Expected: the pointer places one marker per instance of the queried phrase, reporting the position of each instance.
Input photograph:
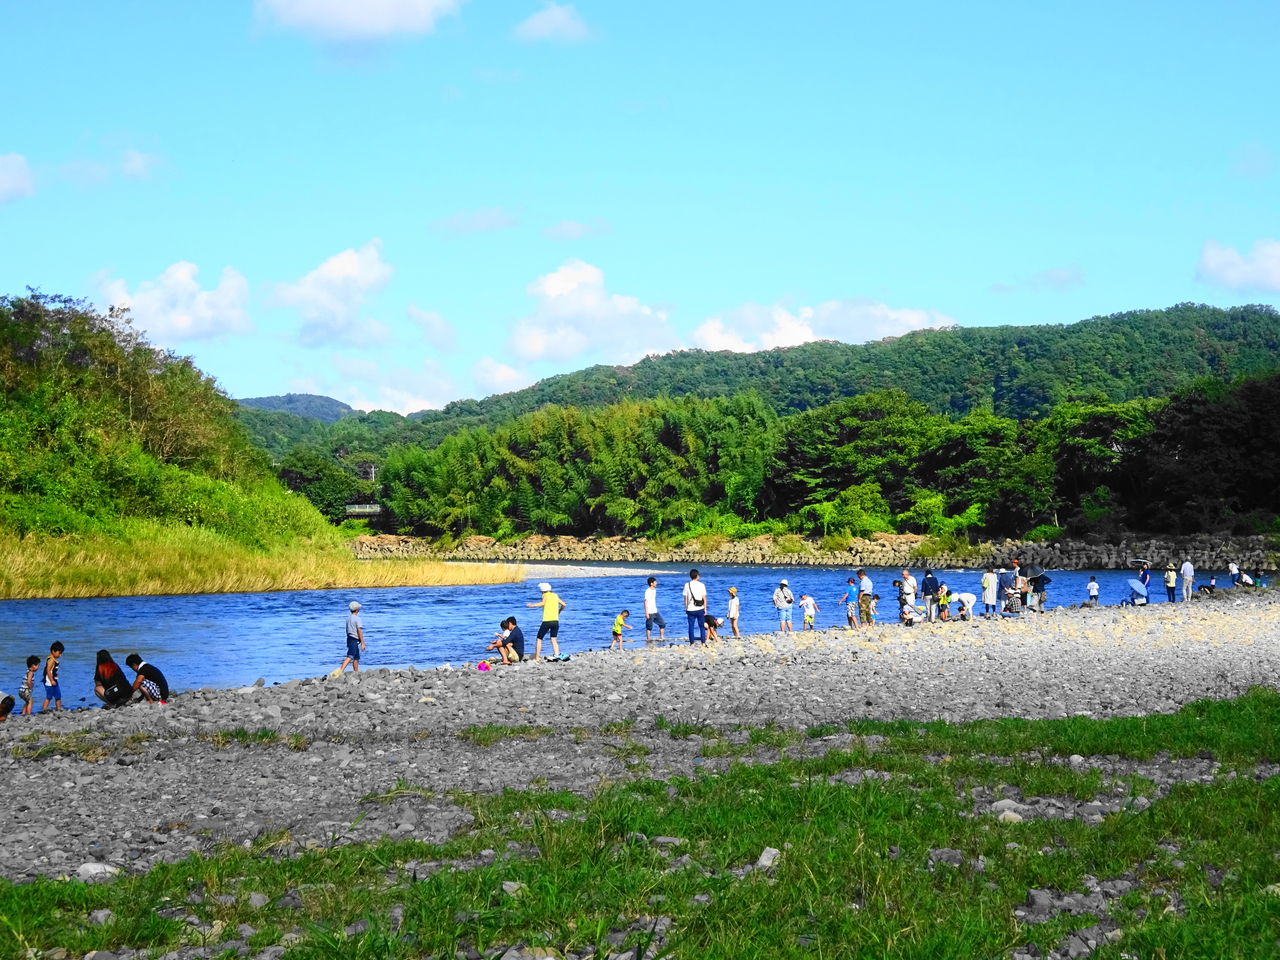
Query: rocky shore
(98, 791)
(884, 550)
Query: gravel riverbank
(131, 787)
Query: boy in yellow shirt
(619, 622)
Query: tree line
(1202, 459)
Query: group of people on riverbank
(1002, 592)
(109, 682)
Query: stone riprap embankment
(885, 550)
(127, 788)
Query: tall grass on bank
(149, 558)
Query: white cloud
(575, 314)
(575, 230)
(370, 385)
(173, 307)
(486, 220)
(1053, 279)
(438, 331)
(755, 326)
(1228, 267)
(358, 20)
(493, 376)
(330, 298)
(555, 21)
(138, 165)
(15, 177)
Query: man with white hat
(551, 606)
(355, 639)
(783, 601)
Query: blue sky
(403, 202)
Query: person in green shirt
(619, 622)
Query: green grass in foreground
(854, 878)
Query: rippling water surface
(230, 640)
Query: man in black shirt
(149, 680)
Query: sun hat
(783, 583)
(1002, 570)
(733, 591)
(544, 587)
(1170, 567)
(354, 606)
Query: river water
(230, 640)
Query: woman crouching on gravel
(109, 682)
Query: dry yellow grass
(152, 560)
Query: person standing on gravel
(990, 595)
(1233, 570)
(783, 600)
(929, 590)
(851, 606)
(909, 589)
(866, 594)
(355, 639)
(551, 606)
(1170, 582)
(732, 613)
(652, 618)
(1188, 573)
(695, 606)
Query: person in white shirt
(1233, 569)
(695, 606)
(1188, 573)
(1093, 589)
(732, 613)
(652, 618)
(909, 589)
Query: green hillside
(308, 405)
(1017, 372)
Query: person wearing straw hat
(732, 614)
(1171, 582)
(551, 605)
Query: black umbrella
(1032, 571)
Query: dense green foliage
(1088, 382)
(308, 405)
(876, 462)
(97, 425)
(1017, 372)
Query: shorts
(25, 694)
(353, 649)
(549, 627)
(53, 692)
(151, 690)
(654, 619)
(808, 620)
(864, 605)
(617, 636)
(784, 614)
(851, 610)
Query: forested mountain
(1017, 372)
(98, 427)
(1203, 460)
(309, 405)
